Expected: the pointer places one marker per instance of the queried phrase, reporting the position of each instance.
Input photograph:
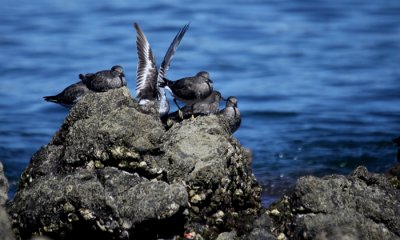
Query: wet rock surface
(362, 205)
(112, 171)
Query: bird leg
(179, 109)
(176, 103)
(192, 110)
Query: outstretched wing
(146, 81)
(170, 53)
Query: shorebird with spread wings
(148, 89)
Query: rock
(5, 224)
(262, 229)
(360, 206)
(40, 238)
(6, 232)
(3, 186)
(203, 154)
(112, 171)
(227, 236)
(394, 171)
(108, 199)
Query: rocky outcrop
(360, 206)
(112, 171)
(5, 224)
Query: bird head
(205, 75)
(118, 70)
(218, 96)
(231, 102)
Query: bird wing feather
(170, 53)
(146, 81)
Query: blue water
(317, 81)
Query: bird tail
(85, 78)
(51, 99)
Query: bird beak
(224, 98)
(122, 74)
(210, 80)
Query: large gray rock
(3, 186)
(6, 232)
(112, 171)
(223, 192)
(361, 206)
(5, 224)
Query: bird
(70, 95)
(105, 80)
(148, 87)
(207, 106)
(231, 113)
(190, 89)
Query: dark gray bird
(148, 87)
(70, 95)
(231, 113)
(190, 89)
(207, 106)
(105, 80)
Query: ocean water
(317, 81)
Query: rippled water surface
(317, 81)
